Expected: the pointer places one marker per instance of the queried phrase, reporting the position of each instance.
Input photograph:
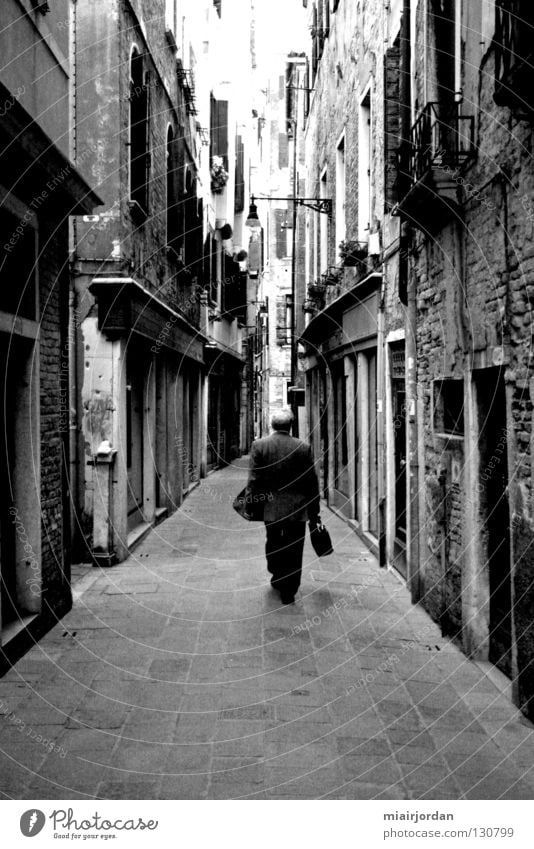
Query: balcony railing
(514, 54)
(186, 79)
(440, 138)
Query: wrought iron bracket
(317, 204)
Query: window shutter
(315, 43)
(281, 234)
(320, 28)
(281, 321)
(392, 122)
(255, 254)
(283, 150)
(219, 129)
(307, 89)
(239, 204)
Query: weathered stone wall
(353, 60)
(473, 282)
(53, 295)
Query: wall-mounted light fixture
(262, 306)
(323, 205)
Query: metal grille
(398, 363)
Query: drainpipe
(293, 329)
(72, 418)
(380, 421)
(414, 581)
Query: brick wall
(473, 283)
(353, 57)
(53, 291)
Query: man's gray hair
(282, 419)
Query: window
(284, 312)
(323, 227)
(172, 207)
(320, 28)
(282, 233)
(514, 31)
(219, 130)
(239, 203)
(364, 168)
(315, 43)
(170, 15)
(443, 41)
(307, 88)
(392, 126)
(340, 193)
(210, 267)
(255, 253)
(139, 148)
(289, 318)
(449, 407)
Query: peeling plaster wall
(474, 296)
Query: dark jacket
(282, 471)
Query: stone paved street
(178, 675)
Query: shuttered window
(139, 133)
(283, 150)
(392, 125)
(219, 130)
(281, 233)
(239, 175)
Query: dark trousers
(284, 547)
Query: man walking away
(282, 471)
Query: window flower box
(316, 290)
(332, 276)
(352, 252)
(219, 175)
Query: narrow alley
(179, 675)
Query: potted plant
(316, 290)
(332, 276)
(310, 306)
(352, 252)
(218, 174)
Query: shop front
(342, 404)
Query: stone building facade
(354, 338)
(418, 131)
(138, 346)
(40, 188)
(464, 194)
(272, 187)
(159, 291)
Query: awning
(329, 322)
(125, 307)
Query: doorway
(342, 494)
(494, 512)
(134, 438)
(398, 409)
(8, 576)
(372, 446)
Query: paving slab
(179, 675)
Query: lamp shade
(253, 221)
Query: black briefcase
(320, 539)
